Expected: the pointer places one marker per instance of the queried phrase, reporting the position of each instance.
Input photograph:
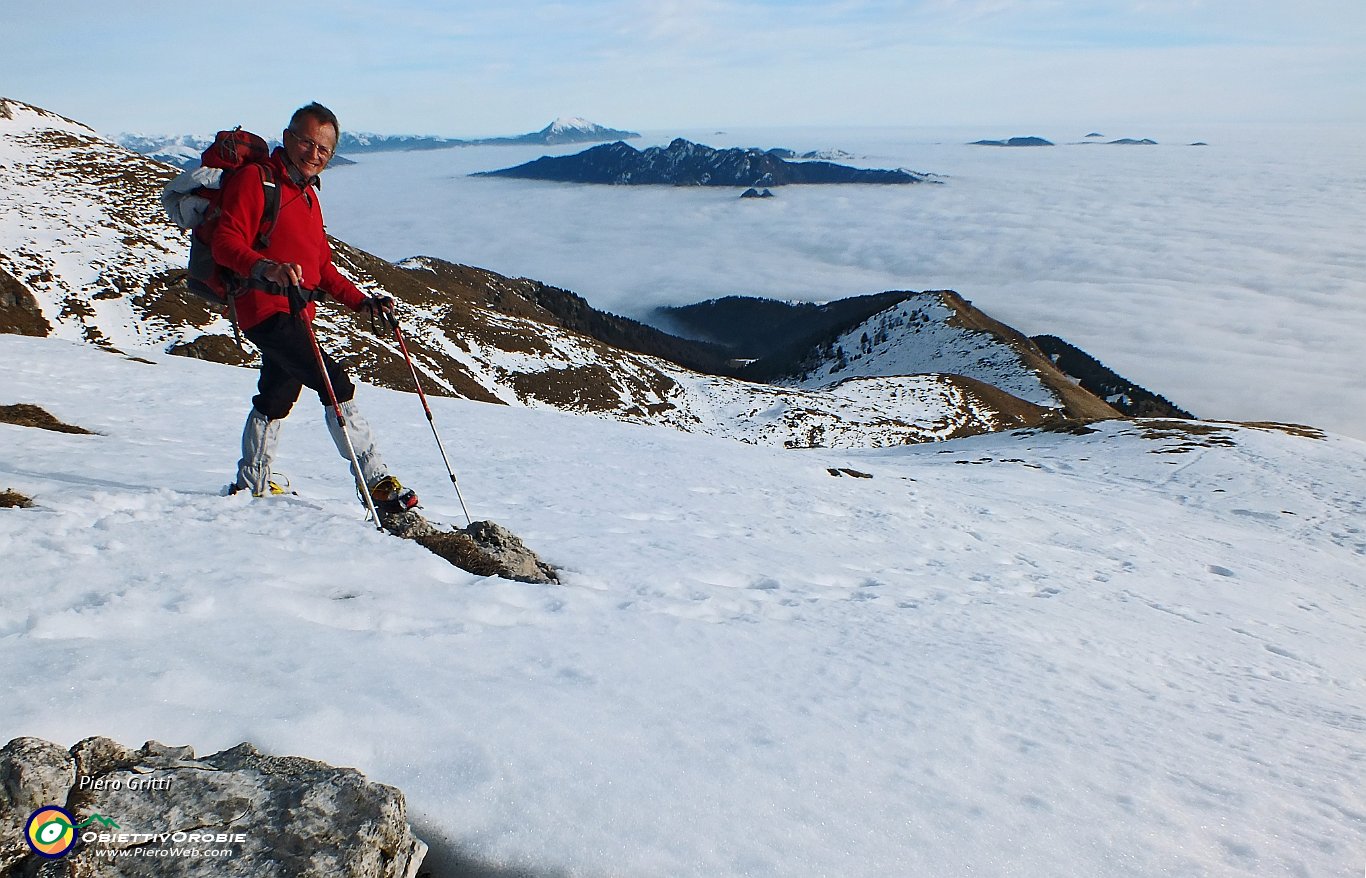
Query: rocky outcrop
(484, 548)
(19, 310)
(684, 163)
(161, 811)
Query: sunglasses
(323, 152)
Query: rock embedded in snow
(161, 811)
(485, 548)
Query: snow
(1134, 652)
(572, 123)
(916, 337)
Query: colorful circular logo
(51, 832)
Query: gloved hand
(378, 306)
(282, 274)
(299, 298)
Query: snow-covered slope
(941, 332)
(83, 237)
(81, 229)
(919, 336)
(1133, 651)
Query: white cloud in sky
(466, 68)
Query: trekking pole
(341, 421)
(232, 318)
(398, 334)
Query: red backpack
(192, 200)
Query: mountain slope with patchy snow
(84, 242)
(941, 332)
(1128, 651)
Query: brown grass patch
(1187, 436)
(26, 415)
(166, 297)
(1302, 430)
(215, 349)
(12, 499)
(1167, 429)
(581, 388)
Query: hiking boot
(390, 496)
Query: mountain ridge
(183, 150)
(684, 163)
(115, 279)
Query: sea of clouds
(1228, 277)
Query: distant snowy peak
(576, 129)
(147, 143)
(563, 130)
(179, 150)
(184, 150)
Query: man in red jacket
(297, 258)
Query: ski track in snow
(1132, 652)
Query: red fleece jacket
(298, 237)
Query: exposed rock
(510, 552)
(20, 312)
(160, 811)
(33, 773)
(755, 193)
(485, 548)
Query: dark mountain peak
(1014, 141)
(684, 163)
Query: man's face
(310, 145)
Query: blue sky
(419, 66)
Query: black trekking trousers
(288, 365)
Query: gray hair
(318, 113)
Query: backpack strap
(271, 211)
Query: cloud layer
(1228, 277)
